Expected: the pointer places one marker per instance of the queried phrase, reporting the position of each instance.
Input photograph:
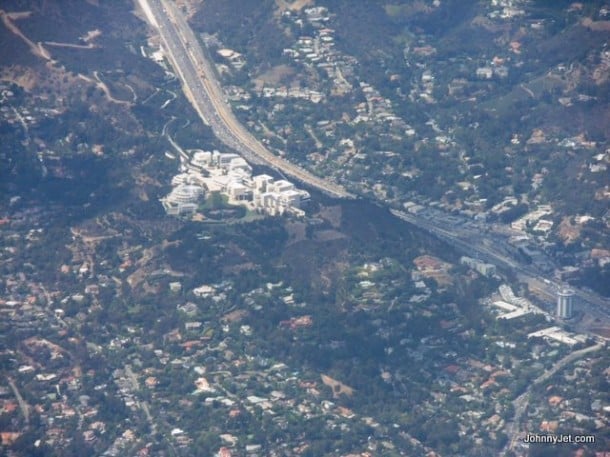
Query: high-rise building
(565, 303)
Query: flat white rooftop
(514, 314)
(558, 334)
(505, 306)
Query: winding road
(513, 428)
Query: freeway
(475, 245)
(484, 252)
(203, 90)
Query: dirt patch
(316, 265)
(37, 49)
(297, 5)
(70, 45)
(104, 88)
(236, 269)
(296, 231)
(15, 16)
(275, 76)
(434, 268)
(337, 387)
(91, 35)
(189, 6)
(488, 24)
(331, 214)
(142, 179)
(537, 137)
(406, 11)
(568, 232)
(601, 331)
(596, 26)
(234, 316)
(328, 235)
(23, 77)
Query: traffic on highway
(204, 92)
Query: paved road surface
(23, 406)
(513, 428)
(599, 306)
(201, 88)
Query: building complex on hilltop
(230, 175)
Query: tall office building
(565, 303)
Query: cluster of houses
(290, 92)
(377, 109)
(319, 50)
(236, 59)
(483, 268)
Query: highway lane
(597, 305)
(206, 95)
